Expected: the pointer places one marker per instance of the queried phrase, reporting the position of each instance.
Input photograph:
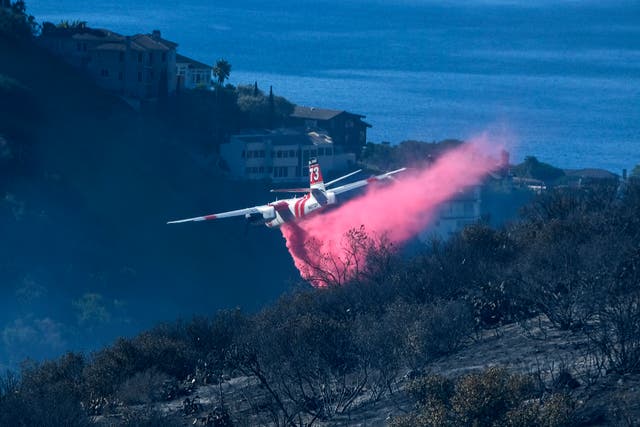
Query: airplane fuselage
(289, 210)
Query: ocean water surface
(561, 79)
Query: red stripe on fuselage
(297, 208)
(210, 217)
(304, 201)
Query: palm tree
(221, 70)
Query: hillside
(534, 323)
(86, 187)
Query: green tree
(15, 21)
(222, 70)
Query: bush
(438, 329)
(143, 387)
(48, 394)
(482, 398)
(493, 397)
(148, 417)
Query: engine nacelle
(266, 214)
(331, 197)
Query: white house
(282, 155)
(455, 214)
(191, 73)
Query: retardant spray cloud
(397, 210)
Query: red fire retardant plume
(397, 210)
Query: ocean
(560, 80)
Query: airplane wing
(342, 177)
(363, 182)
(290, 190)
(238, 212)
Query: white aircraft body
(317, 196)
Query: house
(582, 177)
(142, 66)
(191, 73)
(282, 155)
(455, 214)
(348, 130)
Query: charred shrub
(438, 329)
(143, 387)
(48, 394)
(114, 365)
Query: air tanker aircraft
(316, 197)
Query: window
(281, 172)
(328, 151)
(261, 153)
(243, 154)
(320, 151)
(104, 72)
(285, 154)
(468, 208)
(164, 56)
(292, 153)
(139, 57)
(279, 154)
(150, 57)
(249, 154)
(121, 57)
(261, 169)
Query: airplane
(316, 197)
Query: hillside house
(455, 214)
(142, 66)
(347, 130)
(191, 73)
(282, 155)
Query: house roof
(315, 113)
(119, 47)
(151, 43)
(286, 136)
(591, 173)
(94, 34)
(165, 42)
(192, 62)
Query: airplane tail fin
(315, 176)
